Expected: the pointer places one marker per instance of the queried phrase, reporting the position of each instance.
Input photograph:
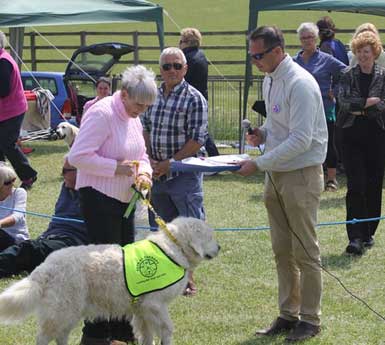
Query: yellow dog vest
(147, 268)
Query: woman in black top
(362, 121)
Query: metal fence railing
(225, 108)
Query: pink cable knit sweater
(108, 135)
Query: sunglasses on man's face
(260, 56)
(8, 183)
(167, 66)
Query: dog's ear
(196, 245)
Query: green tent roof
(16, 13)
(376, 7)
(24, 13)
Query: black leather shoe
(355, 247)
(303, 330)
(280, 325)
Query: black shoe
(27, 184)
(303, 330)
(280, 325)
(355, 247)
(368, 243)
(94, 341)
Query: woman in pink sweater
(110, 138)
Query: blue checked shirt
(172, 121)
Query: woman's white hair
(6, 173)
(308, 27)
(3, 40)
(139, 82)
(171, 51)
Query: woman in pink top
(103, 89)
(110, 138)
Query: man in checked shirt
(175, 127)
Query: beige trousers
(295, 202)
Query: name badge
(276, 108)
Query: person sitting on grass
(13, 227)
(28, 254)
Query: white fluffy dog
(88, 282)
(67, 132)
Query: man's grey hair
(6, 173)
(308, 27)
(139, 82)
(3, 40)
(171, 51)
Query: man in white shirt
(295, 138)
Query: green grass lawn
(238, 290)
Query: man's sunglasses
(259, 56)
(8, 183)
(168, 66)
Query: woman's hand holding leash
(125, 167)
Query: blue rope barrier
(43, 215)
(261, 228)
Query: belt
(358, 113)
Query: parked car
(76, 85)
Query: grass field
(237, 290)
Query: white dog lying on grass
(88, 282)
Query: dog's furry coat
(87, 282)
(67, 132)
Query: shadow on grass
(258, 340)
(343, 261)
(229, 177)
(333, 202)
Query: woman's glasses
(8, 183)
(177, 66)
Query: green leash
(134, 199)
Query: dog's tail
(19, 300)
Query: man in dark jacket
(197, 72)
